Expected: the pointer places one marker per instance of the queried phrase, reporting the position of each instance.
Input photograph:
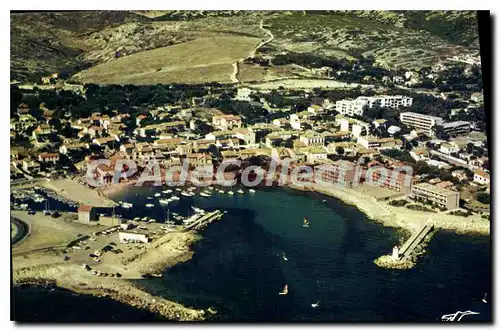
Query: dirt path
(236, 65)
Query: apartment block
(420, 121)
(456, 128)
(443, 197)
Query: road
(236, 65)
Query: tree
(483, 198)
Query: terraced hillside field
(201, 60)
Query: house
(127, 148)
(392, 130)
(86, 214)
(481, 177)
(379, 143)
(41, 130)
(105, 141)
(196, 159)
(48, 158)
(243, 94)
(95, 130)
(419, 154)
(226, 122)
(460, 174)
(314, 153)
(245, 134)
(312, 138)
(66, 148)
(379, 123)
(449, 148)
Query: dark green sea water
(238, 266)
(239, 270)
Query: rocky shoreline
(72, 277)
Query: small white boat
(314, 305)
(230, 192)
(136, 219)
(167, 191)
(251, 190)
(186, 194)
(284, 291)
(175, 198)
(240, 191)
(178, 189)
(127, 205)
(198, 210)
(206, 195)
(484, 298)
(306, 223)
(152, 220)
(284, 257)
(221, 191)
(144, 219)
(164, 201)
(150, 198)
(324, 201)
(149, 205)
(157, 194)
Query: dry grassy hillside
(201, 60)
(146, 47)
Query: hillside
(100, 42)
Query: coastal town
(408, 148)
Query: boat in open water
(284, 291)
(306, 223)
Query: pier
(204, 220)
(415, 240)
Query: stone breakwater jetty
(406, 256)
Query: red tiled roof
(85, 208)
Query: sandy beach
(72, 190)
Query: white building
(127, 237)
(243, 94)
(295, 122)
(312, 138)
(356, 130)
(481, 177)
(357, 106)
(420, 121)
(350, 107)
(226, 122)
(449, 148)
(387, 101)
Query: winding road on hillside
(236, 65)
